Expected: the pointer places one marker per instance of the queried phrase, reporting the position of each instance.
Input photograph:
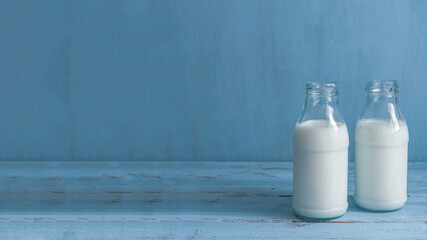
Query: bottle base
(317, 219)
(372, 206)
(319, 214)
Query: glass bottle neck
(321, 104)
(382, 105)
(381, 98)
(320, 94)
(321, 107)
(318, 99)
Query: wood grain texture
(195, 80)
(187, 200)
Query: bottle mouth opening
(321, 88)
(382, 86)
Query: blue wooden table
(183, 200)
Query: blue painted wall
(195, 80)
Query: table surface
(183, 200)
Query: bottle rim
(382, 86)
(321, 88)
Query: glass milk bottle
(381, 150)
(320, 155)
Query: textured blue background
(195, 80)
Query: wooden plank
(186, 200)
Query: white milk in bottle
(381, 153)
(320, 156)
(381, 150)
